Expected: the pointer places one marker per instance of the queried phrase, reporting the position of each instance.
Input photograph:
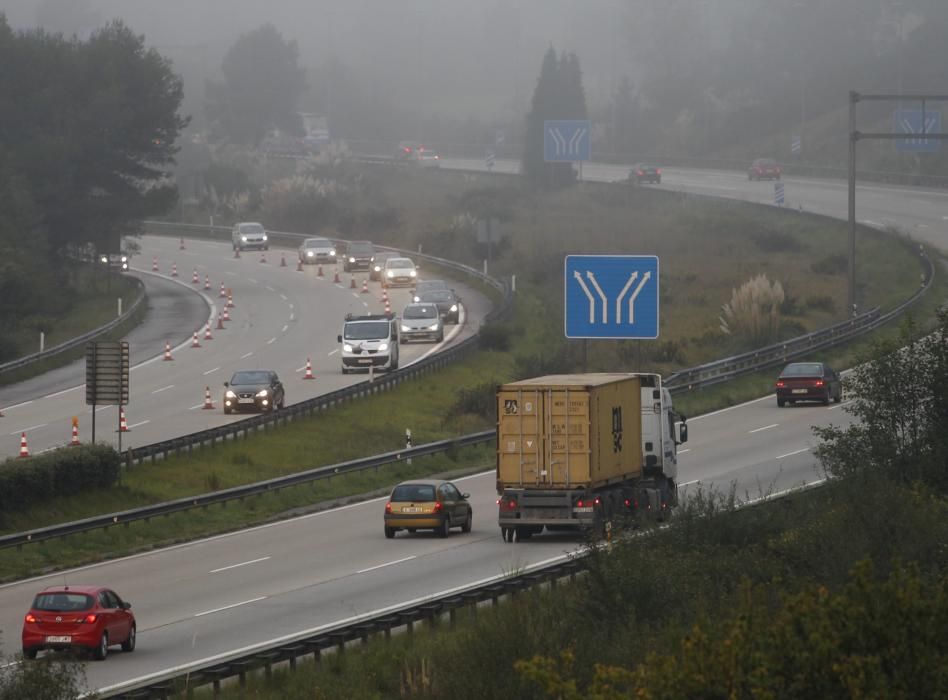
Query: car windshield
(399, 263)
(421, 311)
(62, 602)
(367, 330)
(250, 377)
(414, 492)
(437, 295)
(251, 228)
(803, 369)
(317, 243)
(360, 249)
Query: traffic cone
(299, 265)
(174, 269)
(388, 307)
(123, 424)
(319, 270)
(194, 277)
(230, 301)
(236, 252)
(223, 294)
(208, 404)
(24, 449)
(282, 259)
(181, 247)
(167, 352)
(352, 282)
(220, 322)
(309, 370)
(75, 435)
(385, 294)
(195, 343)
(154, 264)
(207, 332)
(335, 277)
(207, 282)
(226, 315)
(263, 257)
(365, 286)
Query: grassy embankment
(457, 400)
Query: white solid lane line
(26, 430)
(17, 405)
(382, 566)
(234, 566)
(790, 454)
(64, 391)
(135, 425)
(228, 607)
(766, 427)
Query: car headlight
(103, 259)
(229, 394)
(454, 307)
(351, 259)
(433, 327)
(377, 268)
(263, 393)
(332, 253)
(383, 347)
(405, 329)
(310, 253)
(416, 299)
(390, 273)
(346, 347)
(413, 273)
(243, 239)
(264, 236)
(124, 267)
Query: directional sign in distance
(566, 140)
(917, 121)
(611, 296)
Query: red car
(764, 168)
(78, 617)
(808, 381)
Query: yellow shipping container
(569, 431)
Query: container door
(568, 437)
(519, 436)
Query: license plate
(411, 510)
(798, 391)
(365, 362)
(584, 509)
(59, 640)
(244, 400)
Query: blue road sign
(489, 159)
(796, 144)
(567, 140)
(611, 296)
(778, 194)
(915, 121)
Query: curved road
(280, 317)
(203, 599)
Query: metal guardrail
(430, 610)
(79, 340)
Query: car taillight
(437, 507)
(509, 505)
(90, 618)
(658, 171)
(818, 382)
(780, 384)
(388, 507)
(30, 617)
(585, 504)
(640, 172)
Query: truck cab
(369, 342)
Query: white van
(369, 341)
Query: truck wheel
(390, 532)
(507, 534)
(523, 533)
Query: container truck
(578, 451)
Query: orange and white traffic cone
(195, 343)
(207, 281)
(282, 259)
(208, 404)
(230, 301)
(384, 293)
(24, 448)
(236, 252)
(299, 265)
(207, 332)
(174, 269)
(319, 270)
(365, 286)
(388, 307)
(75, 434)
(352, 282)
(181, 247)
(154, 264)
(220, 323)
(263, 257)
(335, 277)
(123, 424)
(194, 277)
(223, 293)
(226, 315)
(309, 370)
(167, 352)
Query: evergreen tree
(559, 95)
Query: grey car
(254, 390)
(422, 286)
(421, 322)
(449, 305)
(249, 234)
(375, 273)
(317, 251)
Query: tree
(899, 397)
(559, 95)
(261, 88)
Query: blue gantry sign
(567, 140)
(611, 296)
(918, 123)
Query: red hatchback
(84, 617)
(764, 168)
(808, 381)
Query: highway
(201, 599)
(280, 317)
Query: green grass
(426, 406)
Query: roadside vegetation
(838, 592)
